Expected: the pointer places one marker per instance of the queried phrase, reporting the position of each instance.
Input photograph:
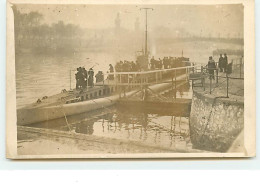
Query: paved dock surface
(38, 141)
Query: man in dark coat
(79, 78)
(225, 62)
(211, 67)
(85, 77)
(220, 63)
(111, 70)
(91, 77)
(99, 77)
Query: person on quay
(220, 63)
(225, 62)
(211, 67)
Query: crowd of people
(166, 62)
(127, 66)
(222, 65)
(85, 78)
(223, 62)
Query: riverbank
(217, 118)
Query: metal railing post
(175, 88)
(210, 83)
(204, 83)
(240, 70)
(227, 84)
(115, 79)
(172, 86)
(186, 73)
(216, 75)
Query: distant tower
(137, 24)
(117, 23)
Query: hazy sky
(195, 19)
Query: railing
(223, 83)
(226, 82)
(143, 78)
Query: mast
(146, 32)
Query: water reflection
(85, 127)
(166, 131)
(160, 127)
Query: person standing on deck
(91, 78)
(225, 62)
(85, 77)
(111, 70)
(99, 77)
(211, 68)
(220, 63)
(160, 64)
(81, 78)
(77, 79)
(152, 63)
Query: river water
(45, 75)
(167, 131)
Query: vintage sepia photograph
(130, 80)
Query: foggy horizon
(192, 19)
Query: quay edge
(215, 122)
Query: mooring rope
(65, 116)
